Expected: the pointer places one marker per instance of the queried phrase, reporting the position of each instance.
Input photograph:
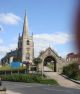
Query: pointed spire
(25, 27)
(19, 36)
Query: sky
(51, 22)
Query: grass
(50, 66)
(49, 82)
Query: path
(11, 92)
(61, 80)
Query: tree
(37, 61)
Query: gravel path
(61, 80)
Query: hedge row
(28, 78)
(72, 71)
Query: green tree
(37, 61)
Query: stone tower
(26, 44)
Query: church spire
(19, 37)
(25, 27)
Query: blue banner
(15, 64)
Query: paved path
(33, 88)
(61, 80)
(11, 92)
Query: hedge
(72, 71)
(28, 78)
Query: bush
(72, 70)
(28, 78)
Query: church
(25, 52)
(25, 49)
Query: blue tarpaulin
(15, 64)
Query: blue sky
(50, 20)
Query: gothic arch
(50, 61)
(49, 54)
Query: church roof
(12, 53)
(72, 55)
(49, 48)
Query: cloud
(57, 38)
(43, 41)
(5, 49)
(9, 18)
(1, 28)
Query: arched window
(28, 42)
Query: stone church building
(25, 44)
(25, 52)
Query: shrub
(72, 70)
(28, 78)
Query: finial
(25, 13)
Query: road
(31, 88)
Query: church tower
(26, 43)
